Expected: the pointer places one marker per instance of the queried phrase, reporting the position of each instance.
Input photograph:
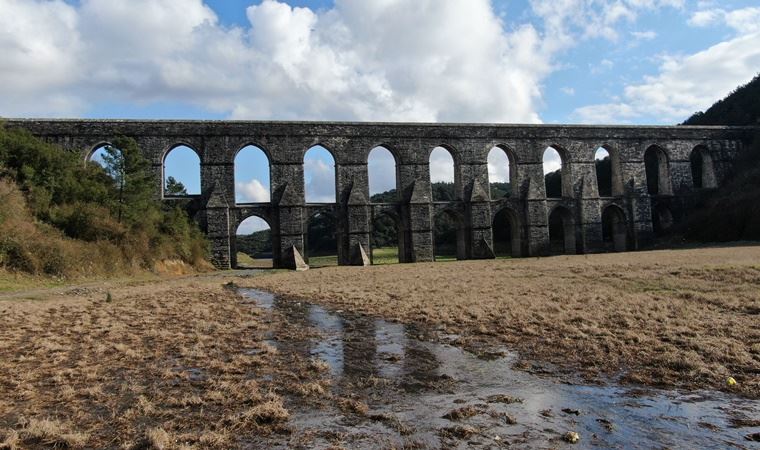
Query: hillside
(733, 212)
(65, 219)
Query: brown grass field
(673, 318)
(182, 362)
(179, 363)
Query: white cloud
(382, 171)
(686, 84)
(438, 60)
(568, 90)
(441, 166)
(498, 166)
(644, 35)
(552, 160)
(744, 20)
(252, 191)
(320, 181)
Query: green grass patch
(385, 255)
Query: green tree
(174, 187)
(131, 173)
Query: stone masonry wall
(285, 143)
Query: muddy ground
(671, 318)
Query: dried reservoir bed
(672, 318)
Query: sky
(503, 61)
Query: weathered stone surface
(359, 256)
(638, 212)
(293, 260)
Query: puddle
(409, 385)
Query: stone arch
(321, 246)
(264, 252)
(702, 168)
(449, 235)
(657, 168)
(662, 219)
(189, 163)
(94, 149)
(384, 158)
(506, 233)
(561, 231)
(608, 171)
(562, 187)
(320, 175)
(257, 189)
(437, 158)
(511, 166)
(614, 229)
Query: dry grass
(685, 318)
(178, 364)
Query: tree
(134, 182)
(174, 187)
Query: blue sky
(535, 61)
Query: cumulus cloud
(744, 20)
(684, 84)
(382, 171)
(441, 166)
(431, 60)
(320, 179)
(251, 191)
(498, 166)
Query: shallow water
(413, 382)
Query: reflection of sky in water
(330, 346)
(391, 340)
(661, 418)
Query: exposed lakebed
(425, 393)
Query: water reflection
(425, 380)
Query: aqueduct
(657, 173)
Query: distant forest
(733, 212)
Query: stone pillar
(532, 192)
(588, 217)
(639, 204)
(217, 218)
(478, 211)
(288, 208)
(353, 214)
(416, 212)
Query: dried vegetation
(686, 318)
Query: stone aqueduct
(638, 207)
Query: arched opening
(501, 172)
(319, 175)
(556, 178)
(182, 172)
(252, 247)
(385, 239)
(449, 237)
(662, 219)
(603, 164)
(702, 170)
(657, 172)
(321, 243)
(442, 175)
(381, 170)
(561, 232)
(506, 234)
(614, 230)
(252, 176)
